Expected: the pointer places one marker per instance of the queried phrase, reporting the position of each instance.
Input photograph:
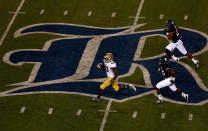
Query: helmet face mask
(163, 60)
(170, 23)
(108, 57)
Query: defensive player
(112, 74)
(174, 36)
(169, 80)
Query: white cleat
(95, 99)
(197, 64)
(186, 97)
(132, 87)
(177, 60)
(158, 101)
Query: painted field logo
(68, 65)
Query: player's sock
(175, 58)
(194, 60)
(160, 97)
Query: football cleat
(158, 101)
(132, 87)
(177, 60)
(95, 99)
(197, 64)
(186, 97)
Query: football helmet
(170, 23)
(163, 60)
(108, 57)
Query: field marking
(113, 14)
(137, 16)
(163, 116)
(161, 16)
(50, 111)
(134, 115)
(89, 13)
(190, 118)
(185, 17)
(12, 12)
(65, 12)
(28, 85)
(42, 11)
(79, 112)
(11, 22)
(22, 110)
(108, 111)
(105, 116)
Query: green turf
(135, 78)
(36, 115)
(65, 106)
(155, 44)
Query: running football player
(169, 75)
(112, 74)
(174, 37)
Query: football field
(49, 50)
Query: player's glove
(172, 80)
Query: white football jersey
(108, 66)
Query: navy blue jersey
(166, 70)
(176, 33)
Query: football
(100, 65)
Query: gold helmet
(108, 57)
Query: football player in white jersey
(112, 74)
(174, 36)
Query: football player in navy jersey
(173, 34)
(169, 80)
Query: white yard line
(79, 112)
(42, 11)
(65, 12)
(11, 22)
(50, 111)
(89, 13)
(162, 116)
(22, 110)
(134, 115)
(105, 116)
(12, 12)
(161, 16)
(190, 117)
(113, 14)
(185, 17)
(137, 15)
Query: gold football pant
(108, 83)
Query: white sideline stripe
(105, 116)
(161, 16)
(89, 13)
(190, 117)
(11, 22)
(65, 12)
(162, 115)
(137, 15)
(22, 110)
(134, 115)
(185, 17)
(50, 111)
(79, 112)
(12, 12)
(108, 111)
(113, 14)
(42, 11)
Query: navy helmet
(170, 22)
(163, 60)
